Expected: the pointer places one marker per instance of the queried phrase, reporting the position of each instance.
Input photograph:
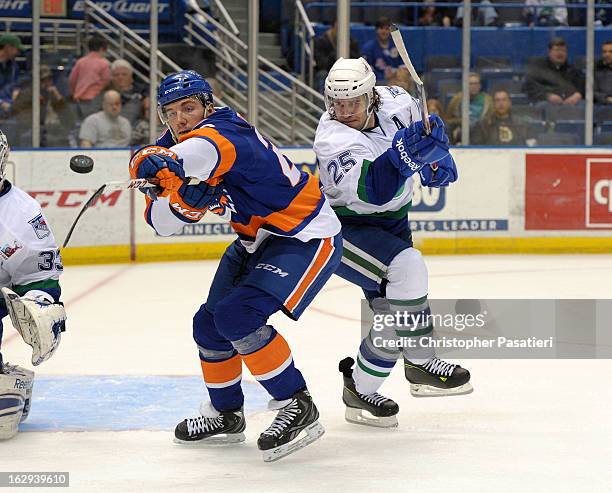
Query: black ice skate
(370, 410)
(213, 428)
(437, 378)
(295, 415)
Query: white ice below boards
(105, 407)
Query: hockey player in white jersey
(30, 266)
(370, 143)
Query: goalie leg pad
(15, 398)
(39, 322)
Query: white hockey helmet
(4, 155)
(349, 78)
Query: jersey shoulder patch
(40, 226)
(29, 225)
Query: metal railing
(290, 109)
(53, 32)
(305, 33)
(125, 43)
(220, 8)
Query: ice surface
(529, 426)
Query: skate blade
(420, 390)
(362, 417)
(212, 441)
(313, 432)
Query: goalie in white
(369, 144)
(30, 266)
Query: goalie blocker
(38, 319)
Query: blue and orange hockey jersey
(266, 193)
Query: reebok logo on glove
(22, 385)
(399, 145)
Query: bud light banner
(132, 11)
(15, 8)
(126, 11)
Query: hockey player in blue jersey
(287, 248)
(370, 144)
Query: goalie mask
(4, 155)
(350, 96)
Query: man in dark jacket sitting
(553, 79)
(603, 75)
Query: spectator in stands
(132, 94)
(401, 78)
(57, 119)
(481, 105)
(106, 128)
(434, 16)
(483, 14)
(381, 53)
(10, 46)
(89, 77)
(140, 133)
(553, 79)
(542, 13)
(501, 127)
(603, 75)
(435, 107)
(325, 53)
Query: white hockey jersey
(343, 154)
(28, 252)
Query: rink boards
(507, 200)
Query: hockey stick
(401, 48)
(136, 184)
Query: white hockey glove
(38, 319)
(15, 398)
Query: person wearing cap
(10, 46)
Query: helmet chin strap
(369, 113)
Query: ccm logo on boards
(73, 198)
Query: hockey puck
(81, 163)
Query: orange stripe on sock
(269, 357)
(222, 371)
(317, 266)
